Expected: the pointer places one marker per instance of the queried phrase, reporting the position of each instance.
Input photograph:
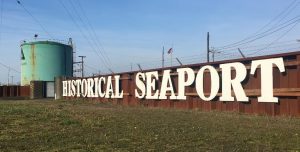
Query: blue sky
(134, 31)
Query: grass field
(48, 125)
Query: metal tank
(44, 60)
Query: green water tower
(44, 60)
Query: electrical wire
(267, 33)
(82, 33)
(281, 36)
(93, 31)
(8, 67)
(105, 59)
(35, 19)
(261, 45)
(266, 25)
(1, 21)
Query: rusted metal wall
(286, 87)
(14, 91)
(37, 89)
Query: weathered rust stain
(33, 61)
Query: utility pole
(172, 54)
(163, 57)
(70, 42)
(82, 67)
(112, 72)
(140, 67)
(12, 80)
(214, 51)
(179, 61)
(242, 54)
(208, 47)
(8, 76)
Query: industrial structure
(44, 60)
(41, 63)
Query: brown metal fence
(14, 91)
(286, 87)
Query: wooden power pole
(163, 57)
(82, 67)
(208, 47)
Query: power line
(37, 21)
(8, 67)
(253, 50)
(288, 10)
(196, 58)
(105, 59)
(269, 32)
(281, 36)
(262, 45)
(82, 33)
(256, 33)
(90, 67)
(224, 56)
(93, 31)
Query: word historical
(149, 85)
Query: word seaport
(149, 85)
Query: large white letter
(109, 88)
(73, 88)
(266, 70)
(151, 85)
(214, 81)
(140, 85)
(227, 82)
(84, 88)
(100, 86)
(69, 88)
(117, 87)
(164, 86)
(65, 88)
(182, 83)
(96, 87)
(90, 82)
(78, 83)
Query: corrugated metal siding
(286, 87)
(14, 91)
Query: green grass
(48, 125)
